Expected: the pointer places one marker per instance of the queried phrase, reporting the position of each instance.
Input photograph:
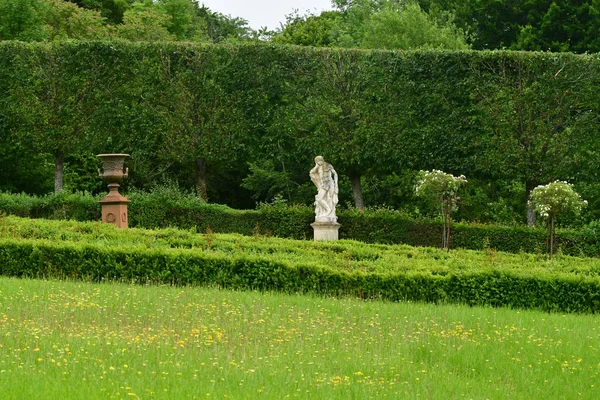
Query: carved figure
(326, 180)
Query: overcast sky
(269, 13)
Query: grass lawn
(78, 340)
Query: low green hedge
(168, 208)
(43, 258)
(343, 255)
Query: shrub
(99, 252)
(378, 225)
(553, 199)
(442, 189)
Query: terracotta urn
(114, 206)
(112, 164)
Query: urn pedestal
(114, 205)
(326, 230)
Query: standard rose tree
(555, 198)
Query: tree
(563, 26)
(23, 20)
(185, 24)
(222, 28)
(555, 198)
(41, 20)
(191, 94)
(134, 20)
(65, 20)
(407, 27)
(112, 10)
(441, 189)
(309, 30)
(341, 123)
(373, 24)
(145, 22)
(555, 25)
(20, 169)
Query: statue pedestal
(326, 231)
(114, 208)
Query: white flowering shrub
(441, 188)
(555, 198)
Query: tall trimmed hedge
(197, 114)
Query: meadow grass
(75, 340)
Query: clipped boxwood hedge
(43, 258)
(160, 210)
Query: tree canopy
(529, 25)
(548, 25)
(135, 20)
(385, 24)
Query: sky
(269, 13)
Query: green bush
(21, 205)
(165, 208)
(42, 258)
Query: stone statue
(326, 179)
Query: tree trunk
(551, 236)
(529, 186)
(200, 169)
(443, 226)
(357, 191)
(59, 171)
(448, 223)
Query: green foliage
(559, 25)
(266, 182)
(309, 30)
(52, 101)
(60, 205)
(73, 206)
(222, 28)
(167, 206)
(98, 252)
(133, 20)
(158, 207)
(65, 20)
(442, 189)
(556, 198)
(23, 20)
(19, 204)
(407, 27)
(373, 24)
(200, 114)
(184, 23)
(145, 22)
(279, 220)
(112, 10)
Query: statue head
(319, 160)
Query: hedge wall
(198, 114)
